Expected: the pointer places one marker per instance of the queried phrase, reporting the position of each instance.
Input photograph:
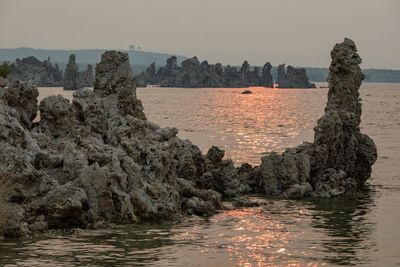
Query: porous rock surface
(340, 159)
(98, 160)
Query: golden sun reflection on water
(259, 240)
(253, 237)
(266, 120)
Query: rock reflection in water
(283, 232)
(346, 222)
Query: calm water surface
(363, 231)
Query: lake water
(363, 231)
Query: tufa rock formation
(192, 73)
(39, 73)
(73, 79)
(98, 160)
(293, 78)
(340, 159)
(148, 77)
(339, 143)
(266, 79)
(71, 75)
(166, 75)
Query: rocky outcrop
(293, 77)
(148, 77)
(338, 162)
(95, 160)
(73, 79)
(212, 74)
(266, 79)
(71, 75)
(45, 74)
(340, 146)
(99, 160)
(166, 76)
(340, 159)
(39, 73)
(192, 73)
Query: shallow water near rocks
(362, 231)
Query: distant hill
(371, 75)
(86, 56)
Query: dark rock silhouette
(166, 76)
(293, 78)
(212, 75)
(192, 73)
(73, 79)
(71, 75)
(266, 79)
(39, 73)
(148, 77)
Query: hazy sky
(298, 32)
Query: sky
(296, 32)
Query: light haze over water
(300, 33)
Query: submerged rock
(98, 160)
(244, 202)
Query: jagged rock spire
(114, 73)
(339, 142)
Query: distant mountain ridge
(87, 56)
(371, 75)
